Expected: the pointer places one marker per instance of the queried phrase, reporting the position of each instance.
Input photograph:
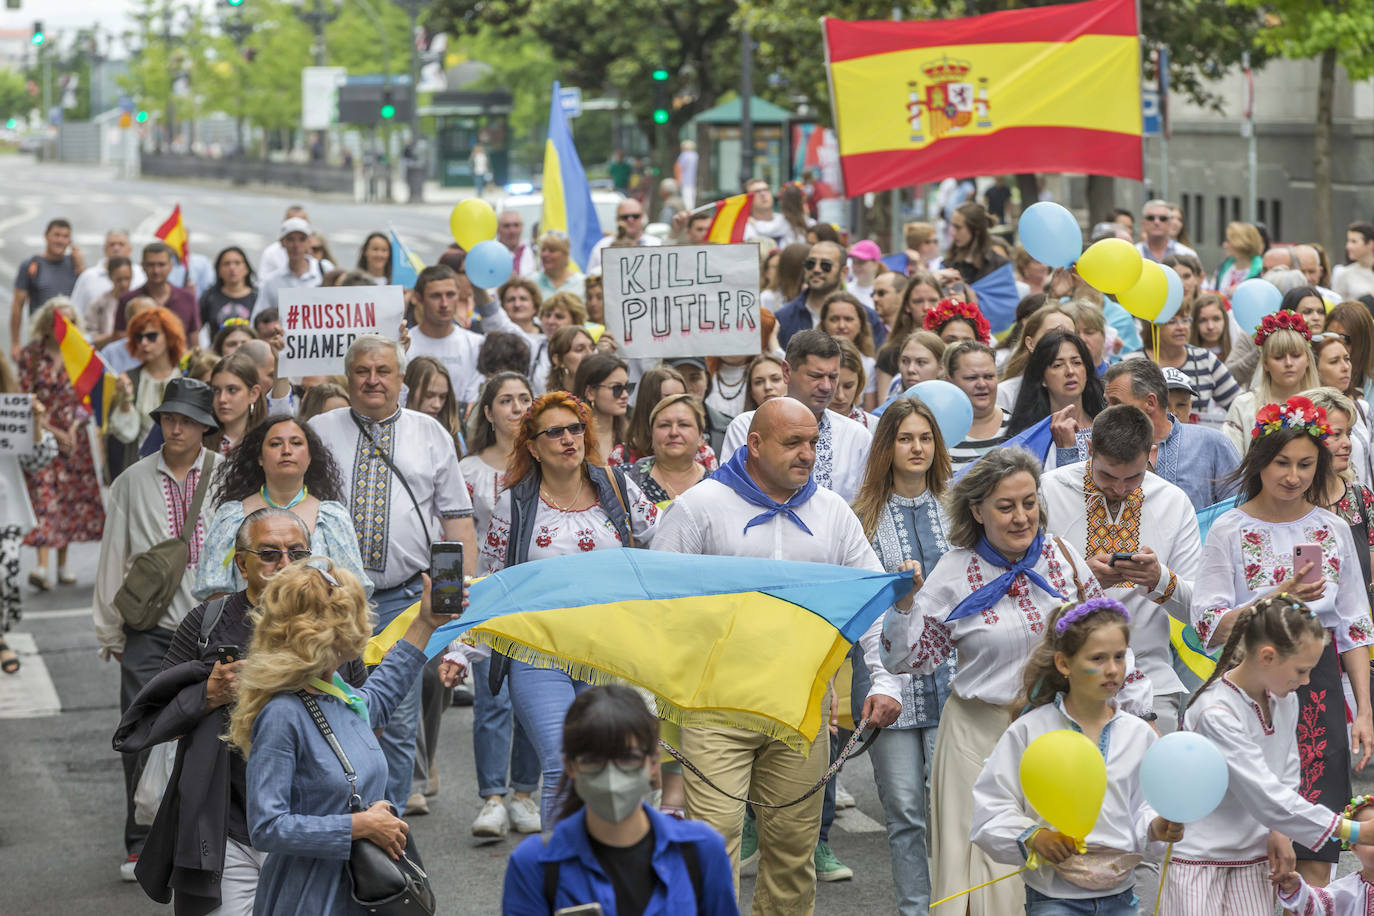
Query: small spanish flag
(92, 381)
(173, 232)
(730, 220)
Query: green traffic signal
(38, 36)
(11, 124)
(660, 116)
(141, 117)
(236, 2)
(388, 111)
(661, 76)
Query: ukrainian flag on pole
(405, 264)
(567, 196)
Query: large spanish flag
(1051, 89)
(92, 381)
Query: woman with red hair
(559, 499)
(157, 340)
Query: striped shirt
(1209, 376)
(970, 450)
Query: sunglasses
(317, 249)
(556, 432)
(149, 336)
(812, 264)
(1156, 218)
(274, 554)
(628, 216)
(620, 390)
(1330, 335)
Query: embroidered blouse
(1245, 558)
(1357, 495)
(623, 454)
(993, 646)
(1350, 895)
(914, 529)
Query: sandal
(39, 581)
(9, 660)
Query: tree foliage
(615, 45)
(15, 101)
(1303, 30)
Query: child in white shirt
(1072, 681)
(1352, 895)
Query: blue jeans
(499, 743)
(398, 737)
(1122, 904)
(901, 767)
(541, 697)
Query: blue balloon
(489, 264)
(952, 409)
(1050, 233)
(1174, 299)
(1184, 777)
(1252, 300)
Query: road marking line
(852, 820)
(29, 693)
(57, 615)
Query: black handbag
(377, 882)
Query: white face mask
(612, 794)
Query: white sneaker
(524, 815)
(126, 870)
(842, 798)
(492, 821)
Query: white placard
(683, 300)
(320, 96)
(16, 424)
(320, 323)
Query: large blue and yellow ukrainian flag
(727, 641)
(567, 195)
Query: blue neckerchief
(994, 591)
(734, 476)
(340, 689)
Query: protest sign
(320, 324)
(16, 424)
(682, 300)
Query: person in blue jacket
(609, 847)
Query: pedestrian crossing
(29, 693)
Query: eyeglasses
(273, 554)
(812, 263)
(149, 336)
(556, 432)
(1180, 319)
(620, 390)
(317, 249)
(629, 216)
(1155, 218)
(1330, 335)
(627, 761)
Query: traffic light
(235, 2)
(38, 35)
(388, 109)
(141, 117)
(11, 124)
(660, 92)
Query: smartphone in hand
(227, 655)
(1304, 554)
(1120, 557)
(446, 577)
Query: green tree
(15, 101)
(524, 68)
(1336, 33)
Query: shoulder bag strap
(424, 522)
(1073, 568)
(188, 524)
(615, 488)
(692, 859)
(355, 803)
(213, 611)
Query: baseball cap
(866, 251)
(294, 224)
(698, 361)
(1177, 380)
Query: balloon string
(1154, 332)
(1163, 873)
(1025, 867)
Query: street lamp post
(417, 166)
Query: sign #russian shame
(683, 300)
(320, 324)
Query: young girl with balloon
(1249, 710)
(1079, 838)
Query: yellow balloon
(1111, 266)
(472, 221)
(1147, 297)
(1064, 778)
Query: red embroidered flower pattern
(1312, 745)
(1251, 570)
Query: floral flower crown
(1281, 321)
(1357, 804)
(1091, 606)
(949, 309)
(1295, 413)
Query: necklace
(568, 508)
(673, 492)
(305, 491)
(727, 393)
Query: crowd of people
(299, 515)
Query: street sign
(320, 96)
(570, 99)
(1151, 120)
(126, 103)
